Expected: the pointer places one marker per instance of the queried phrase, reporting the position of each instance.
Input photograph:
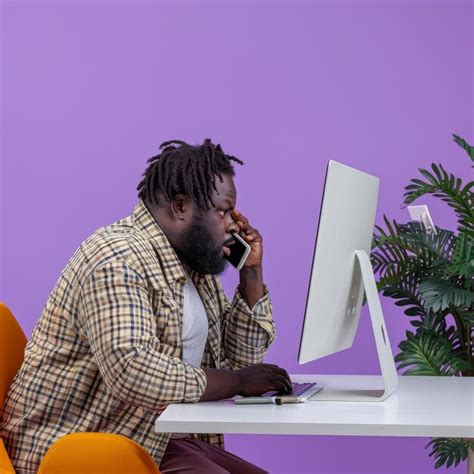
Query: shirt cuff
(261, 311)
(196, 382)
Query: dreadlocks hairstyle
(187, 169)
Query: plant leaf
(438, 294)
(462, 262)
(429, 353)
(447, 187)
(449, 451)
(463, 144)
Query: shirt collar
(145, 222)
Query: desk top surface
(421, 406)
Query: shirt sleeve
(120, 326)
(246, 333)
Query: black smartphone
(239, 251)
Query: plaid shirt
(106, 352)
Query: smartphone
(239, 251)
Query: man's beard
(198, 251)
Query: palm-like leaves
(463, 258)
(447, 187)
(429, 353)
(467, 316)
(439, 294)
(410, 246)
(402, 284)
(449, 451)
(463, 144)
(405, 256)
(432, 277)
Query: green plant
(432, 277)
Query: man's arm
(251, 284)
(254, 380)
(251, 275)
(247, 324)
(120, 327)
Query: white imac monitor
(340, 273)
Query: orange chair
(97, 453)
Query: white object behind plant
(422, 214)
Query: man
(138, 320)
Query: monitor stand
(384, 351)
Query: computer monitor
(340, 273)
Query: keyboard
(298, 390)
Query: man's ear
(181, 206)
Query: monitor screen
(335, 290)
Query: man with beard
(138, 320)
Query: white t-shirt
(194, 332)
(195, 326)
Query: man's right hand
(261, 378)
(250, 381)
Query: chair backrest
(97, 453)
(12, 347)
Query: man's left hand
(252, 237)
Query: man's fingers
(278, 370)
(248, 231)
(241, 220)
(253, 234)
(281, 373)
(281, 369)
(283, 383)
(238, 216)
(244, 226)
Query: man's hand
(251, 274)
(252, 237)
(250, 381)
(261, 378)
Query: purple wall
(90, 89)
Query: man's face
(202, 244)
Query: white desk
(421, 406)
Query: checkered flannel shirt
(106, 352)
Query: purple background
(89, 90)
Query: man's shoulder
(120, 242)
(114, 238)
